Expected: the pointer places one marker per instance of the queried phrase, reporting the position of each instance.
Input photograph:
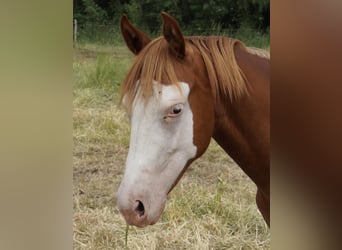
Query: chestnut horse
(180, 92)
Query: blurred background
(98, 19)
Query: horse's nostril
(140, 208)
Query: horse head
(171, 115)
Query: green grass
(251, 37)
(99, 67)
(245, 33)
(213, 206)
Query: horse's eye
(175, 110)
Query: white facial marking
(161, 144)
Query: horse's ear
(135, 39)
(173, 35)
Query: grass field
(212, 207)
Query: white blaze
(159, 147)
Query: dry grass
(213, 206)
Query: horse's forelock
(154, 63)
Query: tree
(195, 16)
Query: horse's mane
(156, 63)
(259, 52)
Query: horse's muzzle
(134, 213)
(138, 210)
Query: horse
(179, 93)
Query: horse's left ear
(173, 35)
(135, 39)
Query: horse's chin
(155, 215)
(156, 220)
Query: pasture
(212, 207)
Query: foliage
(90, 12)
(97, 18)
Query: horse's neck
(242, 126)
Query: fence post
(75, 30)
